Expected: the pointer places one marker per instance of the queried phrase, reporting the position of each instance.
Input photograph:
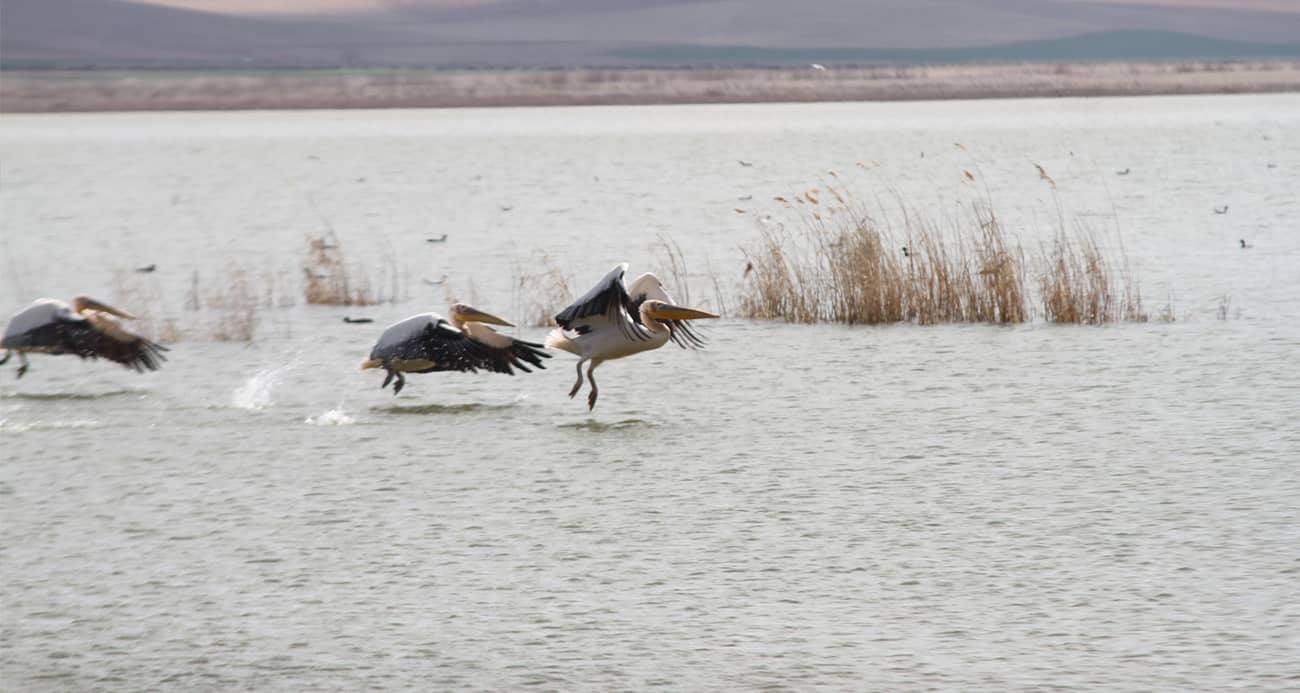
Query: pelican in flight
(85, 328)
(614, 320)
(428, 342)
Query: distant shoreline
(55, 91)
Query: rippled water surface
(893, 508)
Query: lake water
(892, 508)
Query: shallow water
(956, 507)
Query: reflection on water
(436, 409)
(601, 426)
(795, 507)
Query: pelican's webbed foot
(388, 379)
(397, 386)
(8, 353)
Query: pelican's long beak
(83, 302)
(670, 312)
(471, 314)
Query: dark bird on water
(1244, 244)
(744, 163)
(146, 269)
(906, 252)
(1125, 172)
(440, 239)
(357, 321)
(428, 342)
(1221, 210)
(86, 328)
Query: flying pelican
(613, 320)
(428, 342)
(86, 328)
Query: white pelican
(612, 321)
(429, 342)
(86, 328)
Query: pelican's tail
(371, 363)
(557, 340)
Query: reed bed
(841, 264)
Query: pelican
(86, 328)
(428, 342)
(613, 320)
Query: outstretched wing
(107, 338)
(647, 287)
(606, 305)
(427, 342)
(506, 352)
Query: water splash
(255, 393)
(333, 417)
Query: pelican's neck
(454, 321)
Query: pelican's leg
(397, 386)
(22, 364)
(578, 385)
(591, 375)
(388, 379)
(5, 360)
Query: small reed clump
(542, 293)
(328, 281)
(236, 306)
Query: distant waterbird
(1244, 244)
(436, 282)
(614, 320)
(86, 329)
(440, 239)
(146, 269)
(744, 163)
(1125, 172)
(1221, 210)
(357, 321)
(818, 67)
(428, 342)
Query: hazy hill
(627, 32)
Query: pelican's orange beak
(671, 312)
(81, 303)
